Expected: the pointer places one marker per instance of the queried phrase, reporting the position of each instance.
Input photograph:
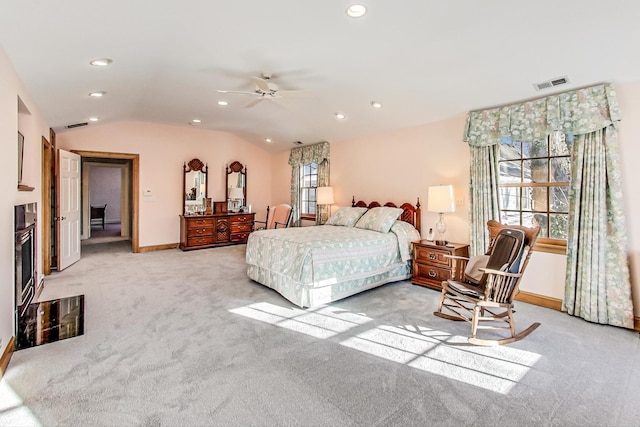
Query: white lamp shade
(441, 199)
(236, 193)
(324, 195)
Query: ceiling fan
(266, 90)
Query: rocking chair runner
(482, 289)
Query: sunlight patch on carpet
(13, 411)
(321, 322)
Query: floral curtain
(597, 285)
(300, 156)
(483, 190)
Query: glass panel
(510, 217)
(536, 170)
(559, 226)
(559, 199)
(543, 221)
(510, 150)
(560, 168)
(510, 172)
(535, 149)
(559, 145)
(528, 219)
(534, 199)
(510, 198)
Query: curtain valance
(310, 153)
(573, 113)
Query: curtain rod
(537, 97)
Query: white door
(68, 209)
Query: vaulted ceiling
(423, 60)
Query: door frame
(48, 152)
(135, 187)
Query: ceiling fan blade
(282, 102)
(254, 102)
(262, 84)
(238, 91)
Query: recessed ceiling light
(268, 140)
(356, 10)
(223, 103)
(94, 119)
(376, 104)
(98, 94)
(340, 116)
(196, 121)
(102, 62)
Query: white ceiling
(424, 60)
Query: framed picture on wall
(20, 156)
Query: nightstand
(430, 263)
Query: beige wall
(163, 150)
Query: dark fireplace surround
(25, 257)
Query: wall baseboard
(555, 304)
(6, 356)
(541, 300)
(158, 247)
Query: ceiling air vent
(551, 83)
(76, 125)
(297, 142)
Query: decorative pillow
(406, 234)
(346, 216)
(379, 219)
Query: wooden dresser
(206, 231)
(430, 264)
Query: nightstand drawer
(431, 272)
(432, 255)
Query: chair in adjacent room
(98, 214)
(482, 289)
(277, 216)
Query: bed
(359, 248)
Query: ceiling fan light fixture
(101, 62)
(376, 104)
(340, 116)
(356, 10)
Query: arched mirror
(195, 185)
(236, 186)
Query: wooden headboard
(410, 213)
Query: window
(308, 185)
(534, 186)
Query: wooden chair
(97, 215)
(277, 217)
(482, 289)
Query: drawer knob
(432, 273)
(432, 255)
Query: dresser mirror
(236, 187)
(195, 184)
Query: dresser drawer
(200, 231)
(431, 272)
(199, 222)
(432, 256)
(239, 237)
(242, 218)
(199, 240)
(241, 228)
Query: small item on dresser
(430, 235)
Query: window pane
(560, 168)
(312, 195)
(559, 199)
(543, 221)
(535, 149)
(559, 145)
(510, 172)
(510, 198)
(510, 217)
(536, 170)
(534, 199)
(510, 150)
(559, 226)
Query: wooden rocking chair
(483, 287)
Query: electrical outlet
(460, 201)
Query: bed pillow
(379, 219)
(406, 234)
(346, 216)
